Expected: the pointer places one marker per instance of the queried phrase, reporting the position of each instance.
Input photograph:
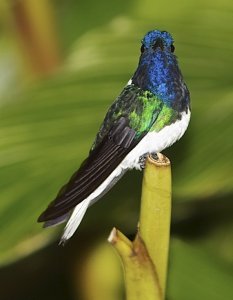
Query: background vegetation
(59, 72)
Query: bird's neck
(159, 73)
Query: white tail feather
(79, 211)
(75, 219)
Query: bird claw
(142, 159)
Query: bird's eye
(142, 48)
(172, 48)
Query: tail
(80, 210)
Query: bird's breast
(155, 142)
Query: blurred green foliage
(48, 125)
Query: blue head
(156, 39)
(158, 69)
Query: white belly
(155, 142)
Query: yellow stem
(140, 277)
(155, 214)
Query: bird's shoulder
(140, 107)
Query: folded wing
(95, 169)
(128, 120)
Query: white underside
(153, 142)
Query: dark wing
(118, 137)
(95, 169)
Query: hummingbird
(151, 113)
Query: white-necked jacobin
(150, 114)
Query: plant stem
(145, 259)
(155, 214)
(140, 278)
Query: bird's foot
(142, 161)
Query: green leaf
(196, 274)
